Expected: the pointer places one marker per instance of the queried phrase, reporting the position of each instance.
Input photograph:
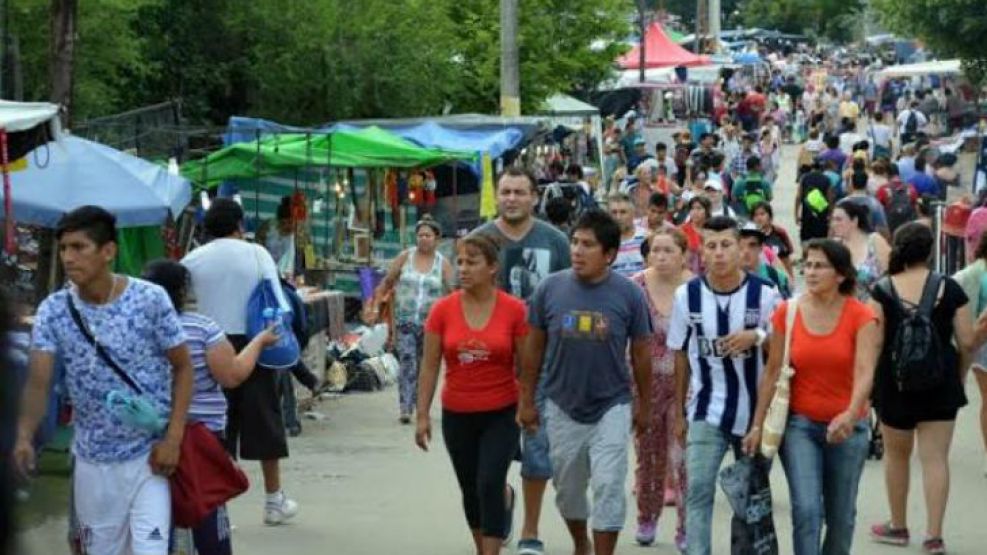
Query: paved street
(364, 488)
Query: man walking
(225, 273)
(719, 322)
(582, 322)
(120, 477)
(530, 250)
(629, 260)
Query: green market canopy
(371, 147)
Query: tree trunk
(64, 15)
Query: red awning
(660, 51)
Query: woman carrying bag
(832, 352)
(216, 364)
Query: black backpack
(916, 361)
(900, 210)
(911, 124)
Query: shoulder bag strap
(790, 311)
(930, 294)
(88, 334)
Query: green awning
(371, 147)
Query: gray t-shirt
(525, 263)
(589, 327)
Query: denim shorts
(535, 461)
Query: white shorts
(122, 508)
(592, 456)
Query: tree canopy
(950, 28)
(320, 60)
(831, 19)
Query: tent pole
(257, 187)
(330, 249)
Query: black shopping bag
(748, 489)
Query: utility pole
(642, 23)
(510, 78)
(702, 25)
(714, 24)
(64, 17)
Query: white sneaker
(279, 513)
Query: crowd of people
(663, 323)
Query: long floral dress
(657, 448)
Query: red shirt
(823, 382)
(480, 364)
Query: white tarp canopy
(572, 113)
(630, 78)
(565, 105)
(21, 116)
(942, 67)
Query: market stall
(60, 176)
(347, 187)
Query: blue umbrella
(747, 58)
(74, 172)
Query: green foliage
(108, 52)
(950, 28)
(830, 19)
(320, 60)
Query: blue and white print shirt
(137, 329)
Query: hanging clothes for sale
(431, 185)
(488, 200)
(699, 99)
(377, 197)
(416, 188)
(393, 200)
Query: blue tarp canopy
(485, 134)
(74, 172)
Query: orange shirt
(823, 381)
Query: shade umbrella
(74, 172)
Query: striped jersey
(208, 402)
(722, 390)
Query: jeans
(822, 481)
(706, 445)
(536, 463)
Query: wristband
(761, 336)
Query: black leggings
(482, 446)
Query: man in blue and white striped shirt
(719, 322)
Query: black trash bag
(748, 489)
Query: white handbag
(777, 417)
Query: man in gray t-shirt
(527, 260)
(582, 323)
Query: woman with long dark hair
(919, 405)
(851, 226)
(217, 366)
